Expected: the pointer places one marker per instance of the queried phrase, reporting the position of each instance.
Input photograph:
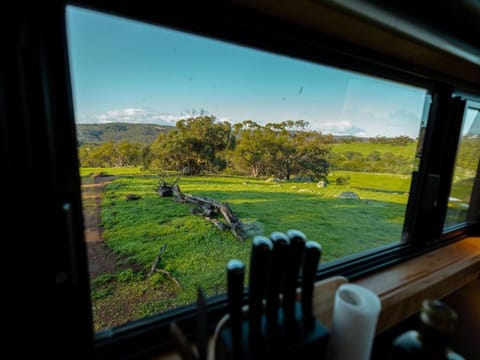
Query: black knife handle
(295, 254)
(313, 253)
(276, 275)
(235, 281)
(202, 326)
(259, 264)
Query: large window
(287, 143)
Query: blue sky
(129, 71)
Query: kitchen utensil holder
(275, 341)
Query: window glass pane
(287, 144)
(461, 207)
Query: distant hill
(147, 133)
(133, 133)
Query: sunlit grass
(366, 148)
(84, 171)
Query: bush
(342, 180)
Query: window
(462, 204)
(287, 143)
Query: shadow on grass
(381, 190)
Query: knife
(235, 280)
(259, 264)
(275, 344)
(313, 253)
(295, 254)
(276, 275)
(202, 326)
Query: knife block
(275, 341)
(308, 343)
(323, 301)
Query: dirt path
(100, 259)
(114, 302)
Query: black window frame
(36, 92)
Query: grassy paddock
(366, 148)
(197, 251)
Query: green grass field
(366, 148)
(197, 252)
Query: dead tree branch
(157, 259)
(210, 209)
(165, 272)
(165, 188)
(170, 276)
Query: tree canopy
(196, 143)
(279, 149)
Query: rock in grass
(348, 195)
(130, 197)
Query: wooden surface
(436, 274)
(323, 299)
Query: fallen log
(165, 191)
(211, 209)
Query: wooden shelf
(403, 287)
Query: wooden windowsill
(436, 274)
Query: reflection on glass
(286, 143)
(460, 207)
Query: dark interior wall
(464, 340)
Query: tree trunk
(210, 208)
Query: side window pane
(461, 207)
(286, 143)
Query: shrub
(342, 180)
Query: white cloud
(343, 127)
(130, 115)
(133, 111)
(367, 122)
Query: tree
(111, 154)
(314, 157)
(197, 143)
(279, 149)
(254, 150)
(128, 154)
